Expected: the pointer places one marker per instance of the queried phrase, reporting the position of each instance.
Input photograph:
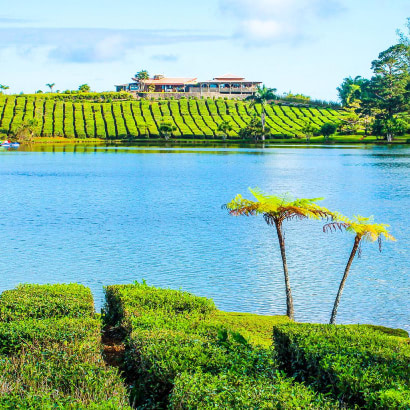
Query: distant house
(158, 84)
(225, 85)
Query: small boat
(8, 144)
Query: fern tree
(364, 229)
(262, 96)
(275, 210)
(51, 86)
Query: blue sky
(305, 46)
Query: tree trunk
(342, 283)
(289, 299)
(263, 124)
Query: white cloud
(267, 21)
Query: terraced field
(141, 119)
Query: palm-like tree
(50, 86)
(275, 210)
(365, 230)
(262, 96)
(4, 87)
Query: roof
(169, 81)
(215, 81)
(229, 77)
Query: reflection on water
(106, 217)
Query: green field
(70, 117)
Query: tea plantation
(115, 116)
(179, 352)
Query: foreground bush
(46, 301)
(48, 361)
(33, 333)
(170, 333)
(234, 391)
(359, 365)
(60, 377)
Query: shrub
(71, 376)
(234, 391)
(15, 336)
(122, 300)
(357, 364)
(46, 301)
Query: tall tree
(51, 86)
(350, 89)
(262, 96)
(166, 129)
(141, 76)
(364, 229)
(275, 210)
(390, 84)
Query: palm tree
(364, 229)
(275, 210)
(4, 87)
(50, 86)
(262, 96)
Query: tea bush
(15, 336)
(170, 333)
(46, 301)
(131, 300)
(235, 391)
(358, 364)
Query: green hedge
(170, 333)
(61, 376)
(46, 301)
(357, 364)
(131, 300)
(15, 336)
(235, 391)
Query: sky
(298, 46)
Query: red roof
(169, 81)
(229, 77)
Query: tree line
(380, 104)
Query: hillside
(68, 116)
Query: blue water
(104, 215)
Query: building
(225, 85)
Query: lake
(109, 215)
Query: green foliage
(48, 362)
(19, 335)
(328, 129)
(357, 364)
(234, 391)
(84, 88)
(166, 129)
(173, 333)
(130, 300)
(46, 301)
(254, 130)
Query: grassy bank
(171, 349)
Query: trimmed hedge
(15, 336)
(48, 361)
(46, 301)
(235, 391)
(72, 376)
(171, 333)
(359, 365)
(131, 300)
